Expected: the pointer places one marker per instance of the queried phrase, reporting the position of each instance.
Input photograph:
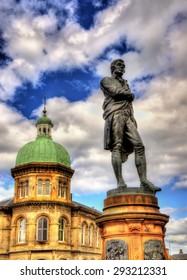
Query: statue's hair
(113, 64)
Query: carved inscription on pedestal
(153, 250)
(116, 250)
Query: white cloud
(181, 184)
(171, 211)
(178, 49)
(46, 23)
(36, 45)
(168, 210)
(176, 236)
(151, 30)
(15, 131)
(6, 191)
(161, 117)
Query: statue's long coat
(114, 91)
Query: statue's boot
(117, 167)
(140, 162)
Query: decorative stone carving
(135, 227)
(116, 250)
(153, 250)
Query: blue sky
(61, 50)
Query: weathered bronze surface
(121, 136)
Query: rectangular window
(26, 188)
(21, 194)
(61, 230)
(42, 230)
(47, 187)
(61, 189)
(39, 187)
(64, 193)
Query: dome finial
(44, 124)
(44, 110)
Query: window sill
(21, 243)
(42, 242)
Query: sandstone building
(41, 221)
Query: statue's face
(119, 68)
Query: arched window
(97, 237)
(91, 235)
(83, 234)
(61, 230)
(42, 228)
(21, 230)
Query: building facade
(41, 221)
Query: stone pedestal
(132, 227)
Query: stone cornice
(132, 215)
(39, 203)
(43, 167)
(43, 250)
(75, 208)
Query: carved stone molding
(134, 227)
(42, 168)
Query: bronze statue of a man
(121, 136)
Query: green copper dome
(44, 120)
(43, 149)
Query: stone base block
(132, 227)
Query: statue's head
(117, 67)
